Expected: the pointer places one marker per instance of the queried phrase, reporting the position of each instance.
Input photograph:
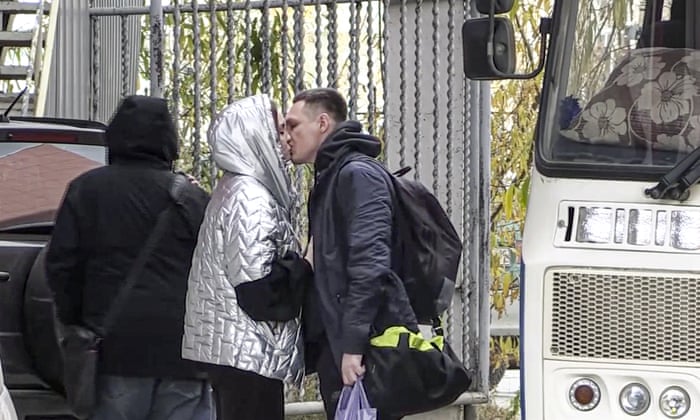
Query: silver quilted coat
(246, 226)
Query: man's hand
(190, 178)
(193, 180)
(351, 368)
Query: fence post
(156, 36)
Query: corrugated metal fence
(398, 63)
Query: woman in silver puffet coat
(247, 227)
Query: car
(7, 409)
(38, 158)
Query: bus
(610, 285)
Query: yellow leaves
(508, 345)
(524, 193)
(513, 121)
(508, 202)
(499, 303)
(501, 292)
(507, 279)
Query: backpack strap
(403, 171)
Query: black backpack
(426, 248)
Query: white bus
(610, 299)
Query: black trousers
(243, 395)
(331, 381)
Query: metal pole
(157, 35)
(484, 226)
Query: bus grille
(624, 315)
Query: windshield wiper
(675, 184)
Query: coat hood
(243, 140)
(142, 129)
(347, 137)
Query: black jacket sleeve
(194, 205)
(279, 295)
(366, 210)
(64, 262)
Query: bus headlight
(584, 394)
(674, 402)
(634, 399)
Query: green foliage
(311, 393)
(207, 79)
(513, 118)
(492, 411)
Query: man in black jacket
(105, 219)
(356, 293)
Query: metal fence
(398, 64)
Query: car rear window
(34, 176)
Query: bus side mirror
(501, 6)
(488, 43)
(479, 64)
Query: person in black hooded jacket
(356, 293)
(106, 216)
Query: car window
(34, 176)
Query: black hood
(347, 137)
(142, 129)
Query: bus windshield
(624, 92)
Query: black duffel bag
(407, 374)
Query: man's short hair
(325, 100)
